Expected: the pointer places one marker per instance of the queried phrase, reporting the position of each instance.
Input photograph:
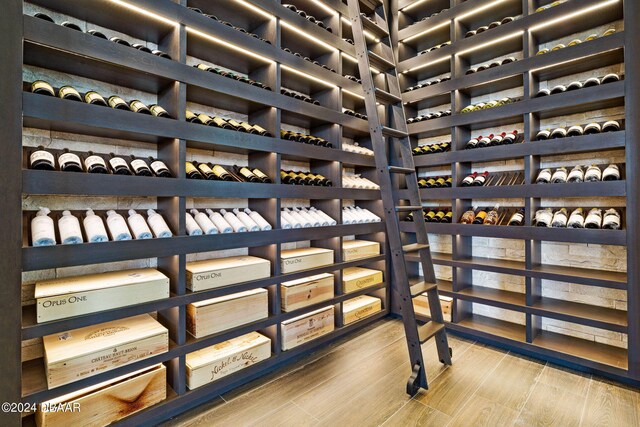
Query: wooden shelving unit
(184, 34)
(522, 38)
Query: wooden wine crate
(421, 306)
(307, 327)
(80, 353)
(105, 403)
(214, 273)
(74, 296)
(303, 292)
(219, 314)
(220, 360)
(305, 258)
(360, 307)
(356, 249)
(354, 278)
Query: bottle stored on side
(221, 224)
(139, 226)
(158, 224)
(94, 228)
(117, 227)
(69, 228)
(69, 162)
(193, 229)
(41, 159)
(246, 220)
(204, 222)
(517, 219)
(43, 232)
(140, 167)
(237, 225)
(159, 168)
(95, 164)
(119, 166)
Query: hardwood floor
(360, 380)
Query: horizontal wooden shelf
(588, 99)
(491, 326)
(49, 113)
(578, 144)
(40, 258)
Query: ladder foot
(447, 362)
(413, 385)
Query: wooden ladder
(380, 55)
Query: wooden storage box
(306, 291)
(360, 307)
(421, 306)
(80, 353)
(356, 249)
(220, 360)
(105, 403)
(214, 273)
(307, 327)
(74, 296)
(219, 314)
(293, 260)
(354, 278)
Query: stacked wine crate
(562, 294)
(145, 329)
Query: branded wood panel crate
(305, 258)
(354, 278)
(307, 327)
(74, 296)
(80, 353)
(214, 273)
(360, 307)
(105, 403)
(220, 360)
(219, 314)
(306, 291)
(356, 249)
(421, 306)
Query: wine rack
(189, 38)
(522, 39)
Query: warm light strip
(477, 10)
(412, 5)
(437, 27)
(367, 34)
(444, 58)
(145, 12)
(355, 61)
(555, 64)
(348, 92)
(573, 15)
(255, 9)
(307, 36)
(492, 42)
(300, 73)
(323, 6)
(229, 45)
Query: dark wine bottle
(205, 171)
(158, 111)
(138, 107)
(42, 88)
(95, 164)
(118, 103)
(246, 174)
(140, 167)
(221, 173)
(159, 168)
(192, 118)
(69, 162)
(236, 125)
(70, 93)
(263, 177)
(93, 97)
(285, 178)
(119, 166)
(192, 172)
(41, 159)
(517, 219)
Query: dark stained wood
(600, 353)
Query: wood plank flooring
(359, 381)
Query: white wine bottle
(221, 224)
(139, 226)
(611, 220)
(246, 220)
(117, 226)
(304, 223)
(317, 217)
(544, 177)
(204, 222)
(559, 176)
(43, 232)
(544, 217)
(237, 225)
(158, 224)
(94, 228)
(593, 174)
(576, 174)
(576, 220)
(611, 173)
(594, 219)
(69, 228)
(285, 217)
(262, 223)
(309, 218)
(560, 218)
(330, 220)
(193, 229)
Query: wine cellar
(193, 191)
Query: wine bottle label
(204, 67)
(259, 174)
(516, 218)
(158, 166)
(40, 85)
(246, 173)
(190, 168)
(559, 175)
(234, 123)
(439, 215)
(611, 220)
(190, 116)
(68, 158)
(138, 164)
(544, 176)
(158, 111)
(137, 106)
(68, 92)
(468, 180)
(94, 160)
(611, 173)
(118, 162)
(544, 217)
(116, 101)
(42, 155)
(593, 174)
(576, 175)
(91, 97)
(260, 129)
(219, 171)
(220, 122)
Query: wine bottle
(193, 229)
(95, 164)
(224, 124)
(140, 167)
(558, 89)
(575, 131)
(594, 219)
(440, 182)
(497, 139)
(158, 224)
(44, 17)
(206, 120)
(69, 162)
(611, 173)
(590, 82)
(261, 131)
(138, 107)
(543, 135)
(41, 159)
(324, 181)
(159, 168)
(192, 118)
(611, 126)
(236, 125)
(592, 128)
(69, 228)
(42, 88)
(237, 225)
(468, 181)
(448, 217)
(221, 173)
(246, 173)
(472, 143)
(576, 219)
(481, 215)
(480, 179)
(246, 220)
(285, 178)
(205, 171)
(560, 218)
(119, 166)
(558, 133)
(120, 41)
(610, 78)
(94, 228)
(263, 177)
(543, 217)
(70, 93)
(611, 220)
(98, 34)
(141, 48)
(42, 229)
(469, 216)
(118, 103)
(258, 219)
(492, 216)
(221, 224)
(158, 111)
(288, 221)
(447, 183)
(161, 54)
(485, 141)
(247, 128)
(544, 177)
(93, 97)
(576, 174)
(192, 172)
(575, 85)
(593, 174)
(517, 219)
(511, 138)
(139, 226)
(204, 222)
(559, 176)
(117, 226)
(438, 216)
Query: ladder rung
(393, 133)
(386, 97)
(428, 330)
(379, 62)
(421, 287)
(413, 247)
(401, 170)
(376, 29)
(408, 208)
